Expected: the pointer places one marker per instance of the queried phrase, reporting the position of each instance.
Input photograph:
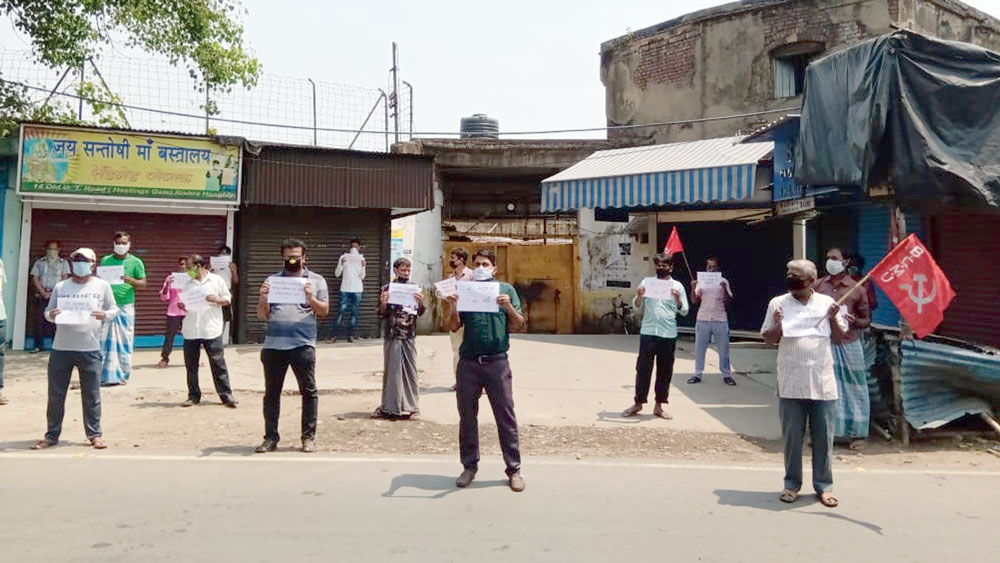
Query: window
(790, 62)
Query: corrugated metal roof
(307, 176)
(941, 383)
(693, 155)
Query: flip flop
(788, 496)
(828, 500)
(663, 414)
(729, 381)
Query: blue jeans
(704, 333)
(822, 417)
(350, 302)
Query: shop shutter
(159, 239)
(327, 234)
(968, 249)
(873, 245)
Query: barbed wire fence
(160, 97)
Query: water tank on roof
(480, 126)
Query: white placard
(179, 279)
(115, 275)
(843, 311)
(709, 279)
(76, 311)
(220, 262)
(353, 259)
(403, 294)
(803, 323)
(194, 297)
(478, 297)
(287, 290)
(658, 289)
(446, 287)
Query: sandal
(828, 500)
(378, 413)
(98, 443)
(729, 381)
(789, 496)
(162, 364)
(694, 380)
(43, 445)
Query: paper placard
(115, 275)
(804, 323)
(843, 311)
(658, 289)
(76, 311)
(287, 290)
(194, 297)
(403, 294)
(478, 297)
(220, 262)
(353, 259)
(179, 279)
(709, 279)
(446, 287)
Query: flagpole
(690, 275)
(849, 292)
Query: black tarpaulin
(920, 112)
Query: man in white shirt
(801, 322)
(351, 269)
(224, 267)
(203, 298)
(46, 272)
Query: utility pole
(394, 99)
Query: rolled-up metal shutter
(968, 248)
(327, 234)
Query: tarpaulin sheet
(920, 112)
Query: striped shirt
(805, 364)
(291, 326)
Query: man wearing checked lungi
(118, 332)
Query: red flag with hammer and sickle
(673, 245)
(915, 284)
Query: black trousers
(302, 360)
(493, 375)
(61, 364)
(662, 350)
(43, 328)
(173, 327)
(216, 360)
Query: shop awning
(712, 170)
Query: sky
(534, 65)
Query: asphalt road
(75, 505)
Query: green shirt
(134, 268)
(486, 333)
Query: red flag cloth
(915, 284)
(673, 244)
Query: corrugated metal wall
(303, 176)
(158, 239)
(968, 250)
(327, 233)
(873, 244)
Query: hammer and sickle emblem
(920, 298)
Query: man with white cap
(82, 302)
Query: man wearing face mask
(457, 260)
(46, 272)
(78, 345)
(203, 327)
(712, 323)
(854, 404)
(290, 341)
(400, 389)
(802, 322)
(484, 365)
(170, 293)
(118, 333)
(657, 339)
(351, 269)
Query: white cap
(90, 254)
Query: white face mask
(354, 250)
(482, 274)
(122, 249)
(834, 267)
(52, 255)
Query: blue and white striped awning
(713, 170)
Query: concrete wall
(422, 237)
(718, 62)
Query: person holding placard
(203, 299)
(46, 272)
(662, 298)
(224, 267)
(290, 341)
(77, 307)
(802, 322)
(118, 333)
(400, 390)
(854, 404)
(458, 260)
(170, 293)
(351, 269)
(713, 293)
(484, 365)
